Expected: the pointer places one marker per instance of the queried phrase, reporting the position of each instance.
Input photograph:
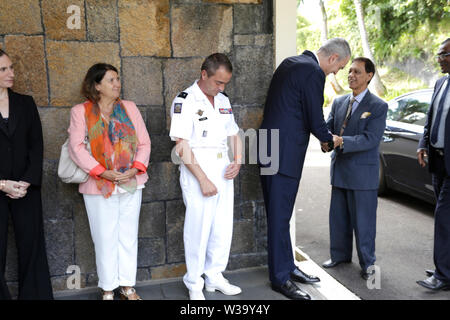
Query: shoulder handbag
(68, 171)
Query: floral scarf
(113, 147)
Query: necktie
(347, 115)
(437, 120)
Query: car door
(404, 128)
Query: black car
(399, 169)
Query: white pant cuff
(217, 278)
(108, 287)
(127, 283)
(194, 286)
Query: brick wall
(158, 46)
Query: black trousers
(441, 252)
(279, 193)
(34, 276)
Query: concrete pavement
(253, 281)
(404, 241)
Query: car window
(410, 109)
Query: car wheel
(382, 187)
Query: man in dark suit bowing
(436, 146)
(293, 111)
(359, 119)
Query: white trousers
(114, 224)
(208, 225)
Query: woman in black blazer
(21, 154)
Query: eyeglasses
(442, 55)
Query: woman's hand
(127, 175)
(14, 189)
(24, 185)
(111, 175)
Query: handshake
(329, 146)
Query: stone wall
(158, 46)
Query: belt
(439, 152)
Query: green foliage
(403, 28)
(398, 30)
(308, 38)
(399, 82)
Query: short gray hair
(337, 46)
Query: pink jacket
(79, 154)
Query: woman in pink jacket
(117, 167)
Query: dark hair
(368, 65)
(445, 41)
(3, 53)
(94, 76)
(214, 62)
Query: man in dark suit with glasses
(435, 145)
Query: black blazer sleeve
(313, 102)
(33, 172)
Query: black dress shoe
(434, 284)
(300, 276)
(331, 264)
(429, 272)
(290, 290)
(366, 275)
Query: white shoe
(196, 295)
(224, 287)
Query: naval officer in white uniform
(202, 121)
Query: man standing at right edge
(435, 144)
(293, 110)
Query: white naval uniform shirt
(196, 120)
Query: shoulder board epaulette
(224, 94)
(183, 95)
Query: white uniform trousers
(208, 225)
(114, 224)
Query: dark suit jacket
(294, 106)
(21, 143)
(356, 167)
(424, 142)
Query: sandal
(130, 294)
(108, 295)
